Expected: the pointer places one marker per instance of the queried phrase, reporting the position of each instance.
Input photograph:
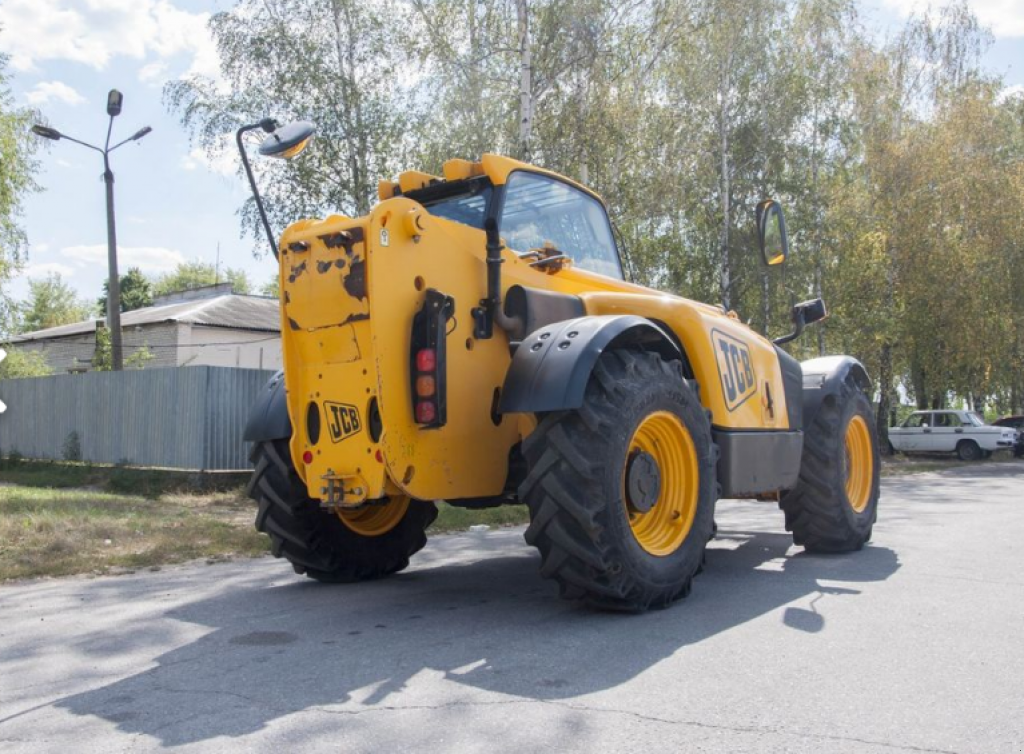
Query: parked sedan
(1017, 423)
(961, 432)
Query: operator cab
(535, 211)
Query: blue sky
(172, 203)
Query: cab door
(912, 433)
(945, 432)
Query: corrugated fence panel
(185, 418)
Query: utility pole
(114, 101)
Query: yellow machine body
(349, 291)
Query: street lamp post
(114, 101)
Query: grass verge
(901, 464)
(58, 532)
(61, 531)
(143, 482)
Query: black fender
(552, 365)
(268, 417)
(824, 377)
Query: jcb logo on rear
(342, 420)
(734, 369)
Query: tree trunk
(525, 84)
(724, 188)
(884, 398)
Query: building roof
(236, 312)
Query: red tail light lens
(426, 360)
(426, 412)
(307, 457)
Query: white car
(961, 432)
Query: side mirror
(288, 141)
(803, 314)
(771, 232)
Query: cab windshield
(539, 209)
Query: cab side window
(539, 209)
(918, 420)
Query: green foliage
(136, 292)
(139, 358)
(271, 288)
(196, 274)
(103, 356)
(51, 302)
(17, 167)
(71, 450)
(23, 363)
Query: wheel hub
(643, 481)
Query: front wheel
(834, 504)
(968, 450)
(622, 491)
(366, 543)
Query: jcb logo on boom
(734, 369)
(342, 420)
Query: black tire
(316, 542)
(574, 488)
(817, 510)
(968, 450)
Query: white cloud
(1004, 17)
(153, 259)
(45, 91)
(1016, 90)
(223, 160)
(94, 32)
(153, 73)
(42, 269)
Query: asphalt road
(913, 644)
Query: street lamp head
(46, 132)
(114, 101)
(140, 133)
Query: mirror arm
(798, 321)
(252, 180)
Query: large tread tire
(818, 511)
(316, 542)
(578, 519)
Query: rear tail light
(427, 362)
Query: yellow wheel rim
(663, 528)
(377, 518)
(860, 464)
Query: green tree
(17, 166)
(51, 302)
(271, 288)
(329, 61)
(196, 274)
(23, 363)
(136, 292)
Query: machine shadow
(492, 625)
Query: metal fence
(182, 418)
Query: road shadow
(492, 624)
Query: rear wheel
(835, 502)
(373, 541)
(622, 491)
(968, 450)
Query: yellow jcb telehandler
(473, 339)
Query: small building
(209, 326)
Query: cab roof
(495, 167)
